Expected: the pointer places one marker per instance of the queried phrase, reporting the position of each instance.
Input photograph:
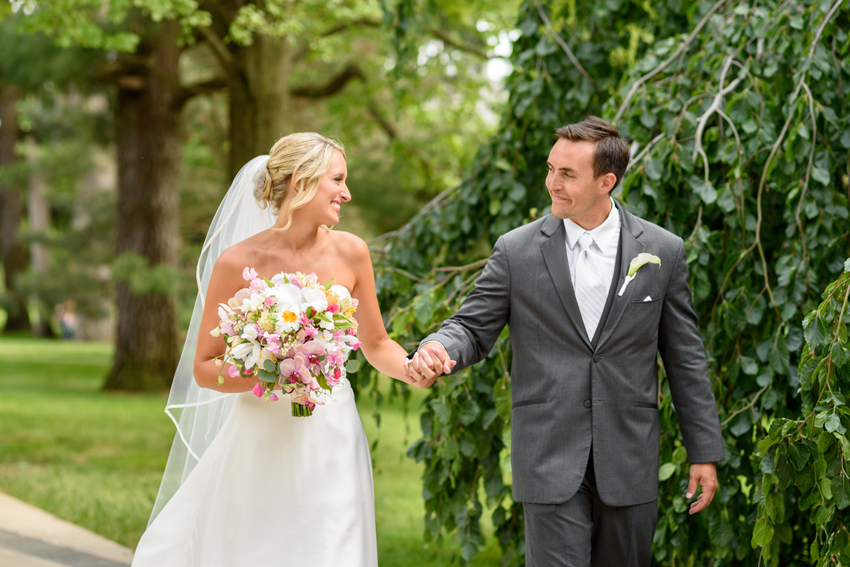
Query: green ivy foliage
(739, 128)
(809, 456)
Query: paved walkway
(30, 537)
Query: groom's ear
(608, 182)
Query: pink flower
(239, 297)
(270, 300)
(273, 342)
(233, 372)
(311, 351)
(258, 285)
(227, 328)
(303, 320)
(333, 378)
(304, 400)
(355, 346)
(295, 370)
(333, 308)
(338, 335)
(259, 390)
(335, 357)
(249, 273)
(273, 397)
(310, 332)
(351, 331)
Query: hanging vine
(738, 120)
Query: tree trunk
(38, 212)
(148, 146)
(260, 102)
(12, 250)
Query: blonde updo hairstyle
(309, 154)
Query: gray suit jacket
(571, 395)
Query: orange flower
(289, 317)
(332, 297)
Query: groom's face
(576, 194)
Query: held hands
(704, 475)
(429, 362)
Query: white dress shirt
(606, 239)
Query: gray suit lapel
(555, 255)
(632, 246)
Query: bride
(246, 483)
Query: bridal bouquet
(292, 331)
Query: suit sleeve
(683, 353)
(469, 335)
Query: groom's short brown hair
(612, 152)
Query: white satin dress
(273, 490)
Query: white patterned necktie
(590, 288)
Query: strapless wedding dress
(273, 490)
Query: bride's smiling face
(325, 206)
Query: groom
(585, 337)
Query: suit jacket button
(587, 404)
(596, 358)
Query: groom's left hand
(705, 476)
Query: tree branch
(443, 36)
(219, 49)
(636, 85)
(333, 86)
(207, 87)
(126, 72)
(442, 197)
(387, 126)
(305, 49)
(563, 44)
(714, 107)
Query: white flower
(341, 291)
(327, 325)
(250, 332)
(248, 352)
(252, 303)
(636, 263)
(315, 298)
(288, 298)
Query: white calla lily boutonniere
(635, 265)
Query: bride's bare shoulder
(349, 245)
(233, 260)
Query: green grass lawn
(96, 458)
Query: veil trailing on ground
(199, 413)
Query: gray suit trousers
(585, 532)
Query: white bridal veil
(198, 412)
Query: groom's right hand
(429, 362)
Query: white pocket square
(647, 299)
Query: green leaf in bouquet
(352, 366)
(268, 365)
(329, 283)
(309, 312)
(267, 376)
(323, 382)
